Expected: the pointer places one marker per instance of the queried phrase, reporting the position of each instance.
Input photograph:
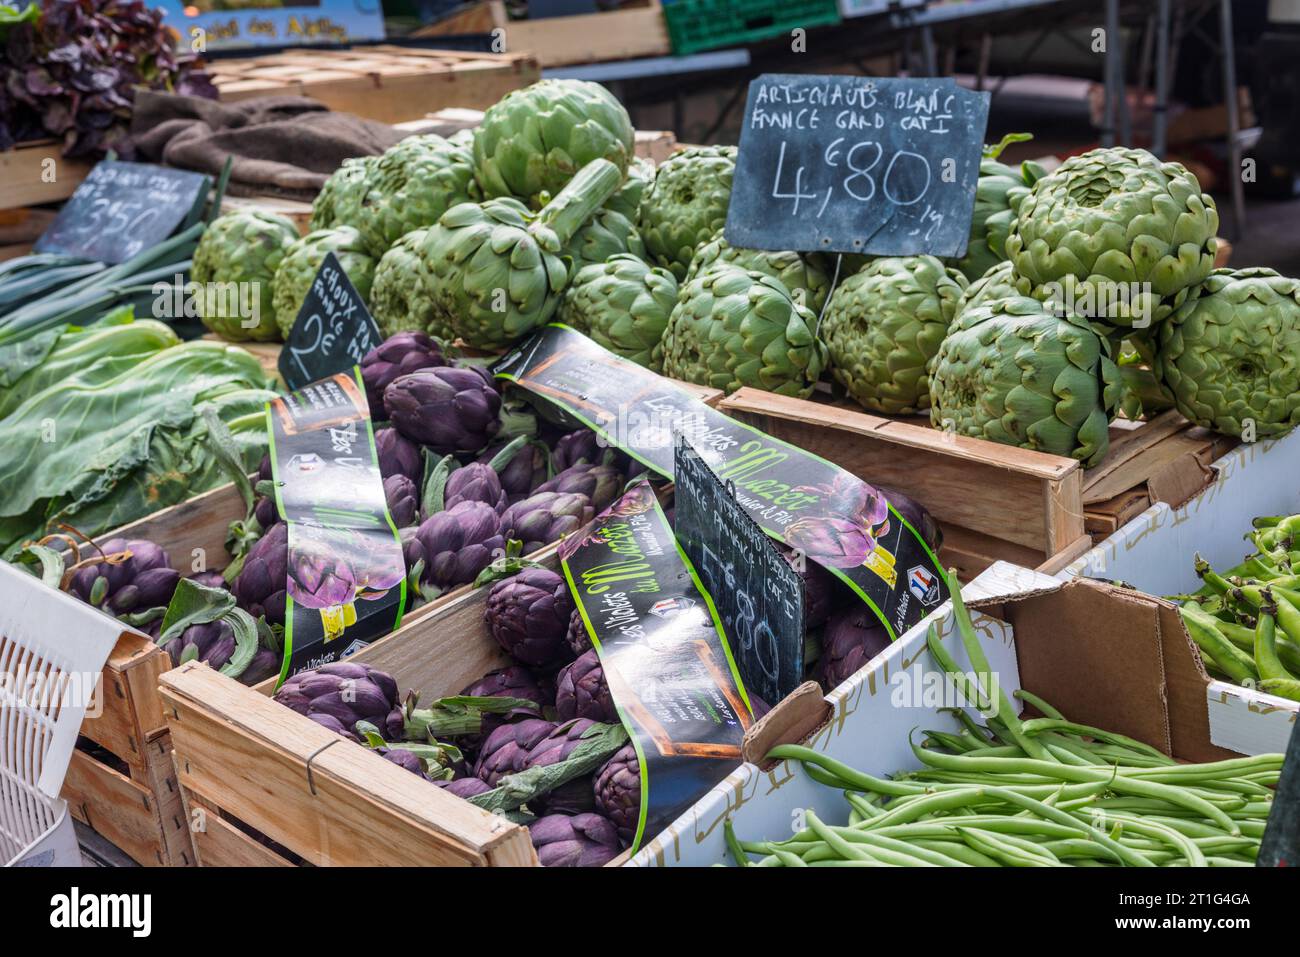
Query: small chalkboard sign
(758, 596)
(857, 164)
(333, 331)
(122, 209)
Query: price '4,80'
(900, 177)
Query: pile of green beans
(1039, 792)
(1246, 621)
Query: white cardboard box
(1155, 551)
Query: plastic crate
(695, 25)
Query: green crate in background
(696, 25)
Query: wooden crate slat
(218, 843)
(233, 742)
(23, 175)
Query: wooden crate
(653, 145)
(36, 173)
(137, 808)
(240, 754)
(623, 34)
(992, 501)
(385, 83)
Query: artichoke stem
(585, 193)
(424, 724)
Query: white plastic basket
(52, 652)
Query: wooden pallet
(624, 34)
(36, 173)
(385, 83)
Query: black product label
(122, 209)
(664, 654)
(333, 330)
(857, 164)
(758, 596)
(346, 575)
(828, 515)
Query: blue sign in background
(228, 24)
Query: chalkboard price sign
(759, 598)
(852, 164)
(122, 209)
(333, 331)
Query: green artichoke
(1116, 235)
(534, 140)
(1013, 371)
(623, 304)
(687, 204)
(884, 325)
(607, 233)
(734, 327)
(802, 275)
(298, 268)
(399, 296)
(627, 200)
(998, 283)
(241, 247)
(1231, 355)
(997, 196)
(410, 186)
(496, 269)
(339, 201)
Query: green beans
(1043, 792)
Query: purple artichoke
(574, 840)
(403, 759)
(457, 544)
(916, 515)
(831, 541)
(512, 682)
(145, 579)
(555, 747)
(340, 694)
(528, 615)
(523, 473)
(852, 637)
(465, 787)
(447, 409)
(506, 749)
(259, 588)
(545, 517)
(398, 455)
(618, 791)
(582, 691)
(581, 445)
(403, 500)
(601, 484)
(211, 643)
(265, 664)
(396, 356)
(576, 637)
(265, 509)
(207, 579)
(476, 482)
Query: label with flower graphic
(345, 581)
(664, 654)
(828, 515)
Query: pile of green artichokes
(1084, 293)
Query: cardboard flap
(798, 715)
(1095, 653)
